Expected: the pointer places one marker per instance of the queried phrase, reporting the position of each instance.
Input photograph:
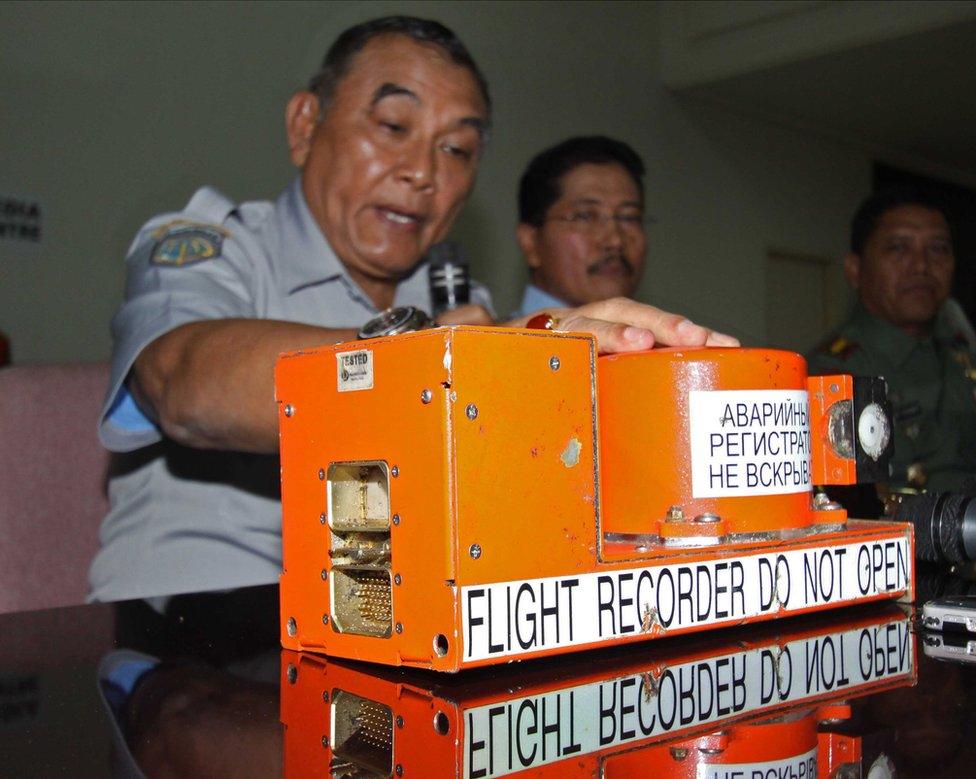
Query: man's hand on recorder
(624, 325)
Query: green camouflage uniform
(932, 389)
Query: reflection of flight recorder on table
(779, 701)
(464, 496)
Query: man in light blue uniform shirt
(387, 137)
(581, 223)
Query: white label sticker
(749, 442)
(531, 730)
(798, 767)
(522, 617)
(354, 370)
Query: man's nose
(611, 232)
(418, 165)
(918, 259)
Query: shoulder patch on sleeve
(181, 242)
(840, 347)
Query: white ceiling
(913, 95)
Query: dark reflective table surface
(119, 690)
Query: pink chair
(52, 482)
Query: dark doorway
(960, 202)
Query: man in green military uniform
(901, 265)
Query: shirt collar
(893, 342)
(306, 257)
(534, 299)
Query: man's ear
(301, 118)
(527, 237)
(852, 269)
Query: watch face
(402, 319)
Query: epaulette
(839, 347)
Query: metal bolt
(394, 471)
(834, 388)
(325, 696)
(325, 619)
(291, 626)
(554, 363)
(475, 551)
(708, 518)
(321, 474)
(325, 742)
(471, 411)
(325, 575)
(397, 580)
(679, 753)
(399, 627)
(399, 722)
(399, 770)
(289, 410)
(426, 396)
(322, 518)
(292, 674)
(675, 514)
(396, 519)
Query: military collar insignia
(181, 242)
(840, 347)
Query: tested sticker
(354, 370)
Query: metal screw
(708, 518)
(426, 396)
(554, 363)
(394, 471)
(675, 514)
(325, 696)
(322, 518)
(471, 411)
(325, 742)
(399, 627)
(292, 674)
(396, 519)
(399, 770)
(291, 626)
(397, 580)
(679, 753)
(289, 410)
(321, 474)
(325, 619)
(325, 574)
(399, 722)
(475, 551)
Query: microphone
(450, 283)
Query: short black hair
(338, 58)
(539, 186)
(878, 204)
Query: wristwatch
(393, 321)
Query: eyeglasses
(592, 221)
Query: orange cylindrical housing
(656, 407)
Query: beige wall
(112, 112)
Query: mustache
(610, 259)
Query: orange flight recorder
(463, 496)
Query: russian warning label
(749, 442)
